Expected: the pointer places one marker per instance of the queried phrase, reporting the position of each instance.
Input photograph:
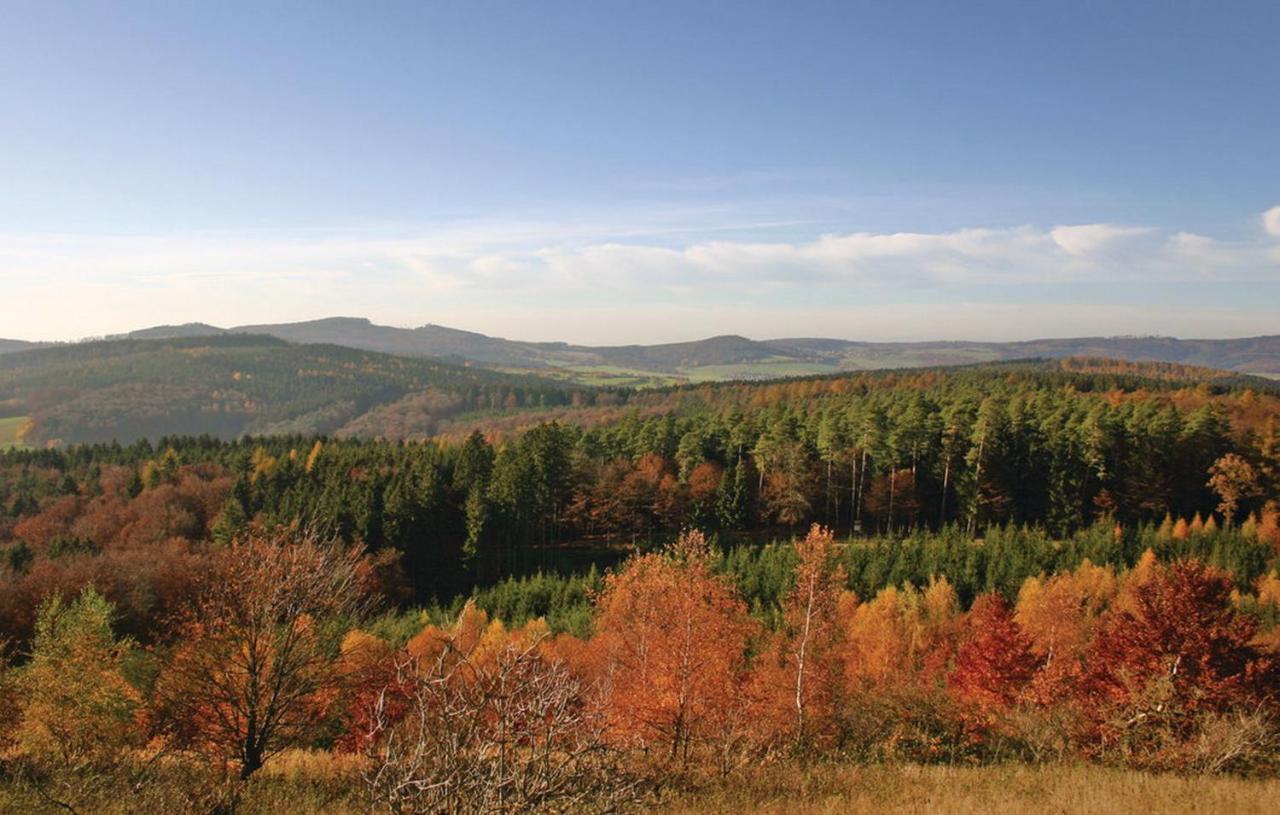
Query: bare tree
(251, 671)
(505, 733)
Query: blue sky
(630, 172)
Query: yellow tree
(900, 633)
(1058, 613)
(1234, 480)
(813, 631)
(76, 705)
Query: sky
(614, 172)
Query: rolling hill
(10, 346)
(734, 357)
(228, 385)
(720, 358)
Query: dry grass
(302, 766)
(301, 783)
(962, 790)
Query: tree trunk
(942, 504)
(892, 476)
(853, 495)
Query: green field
(618, 376)
(9, 428)
(599, 376)
(763, 369)
(606, 375)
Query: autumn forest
(608, 604)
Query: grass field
(963, 790)
(601, 376)
(311, 786)
(621, 377)
(9, 428)
(764, 369)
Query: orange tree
(670, 646)
(252, 672)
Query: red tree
(994, 663)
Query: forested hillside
(229, 385)
(1059, 446)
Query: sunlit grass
(315, 782)
(961, 790)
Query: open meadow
(9, 428)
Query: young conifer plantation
(1074, 569)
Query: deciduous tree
(672, 636)
(251, 673)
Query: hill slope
(231, 384)
(1248, 355)
(10, 346)
(735, 357)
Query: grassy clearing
(867, 360)
(600, 376)
(620, 377)
(962, 790)
(764, 369)
(9, 428)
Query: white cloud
(1090, 239)
(76, 285)
(1271, 221)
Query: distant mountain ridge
(726, 356)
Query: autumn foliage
(1166, 665)
(670, 649)
(250, 672)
